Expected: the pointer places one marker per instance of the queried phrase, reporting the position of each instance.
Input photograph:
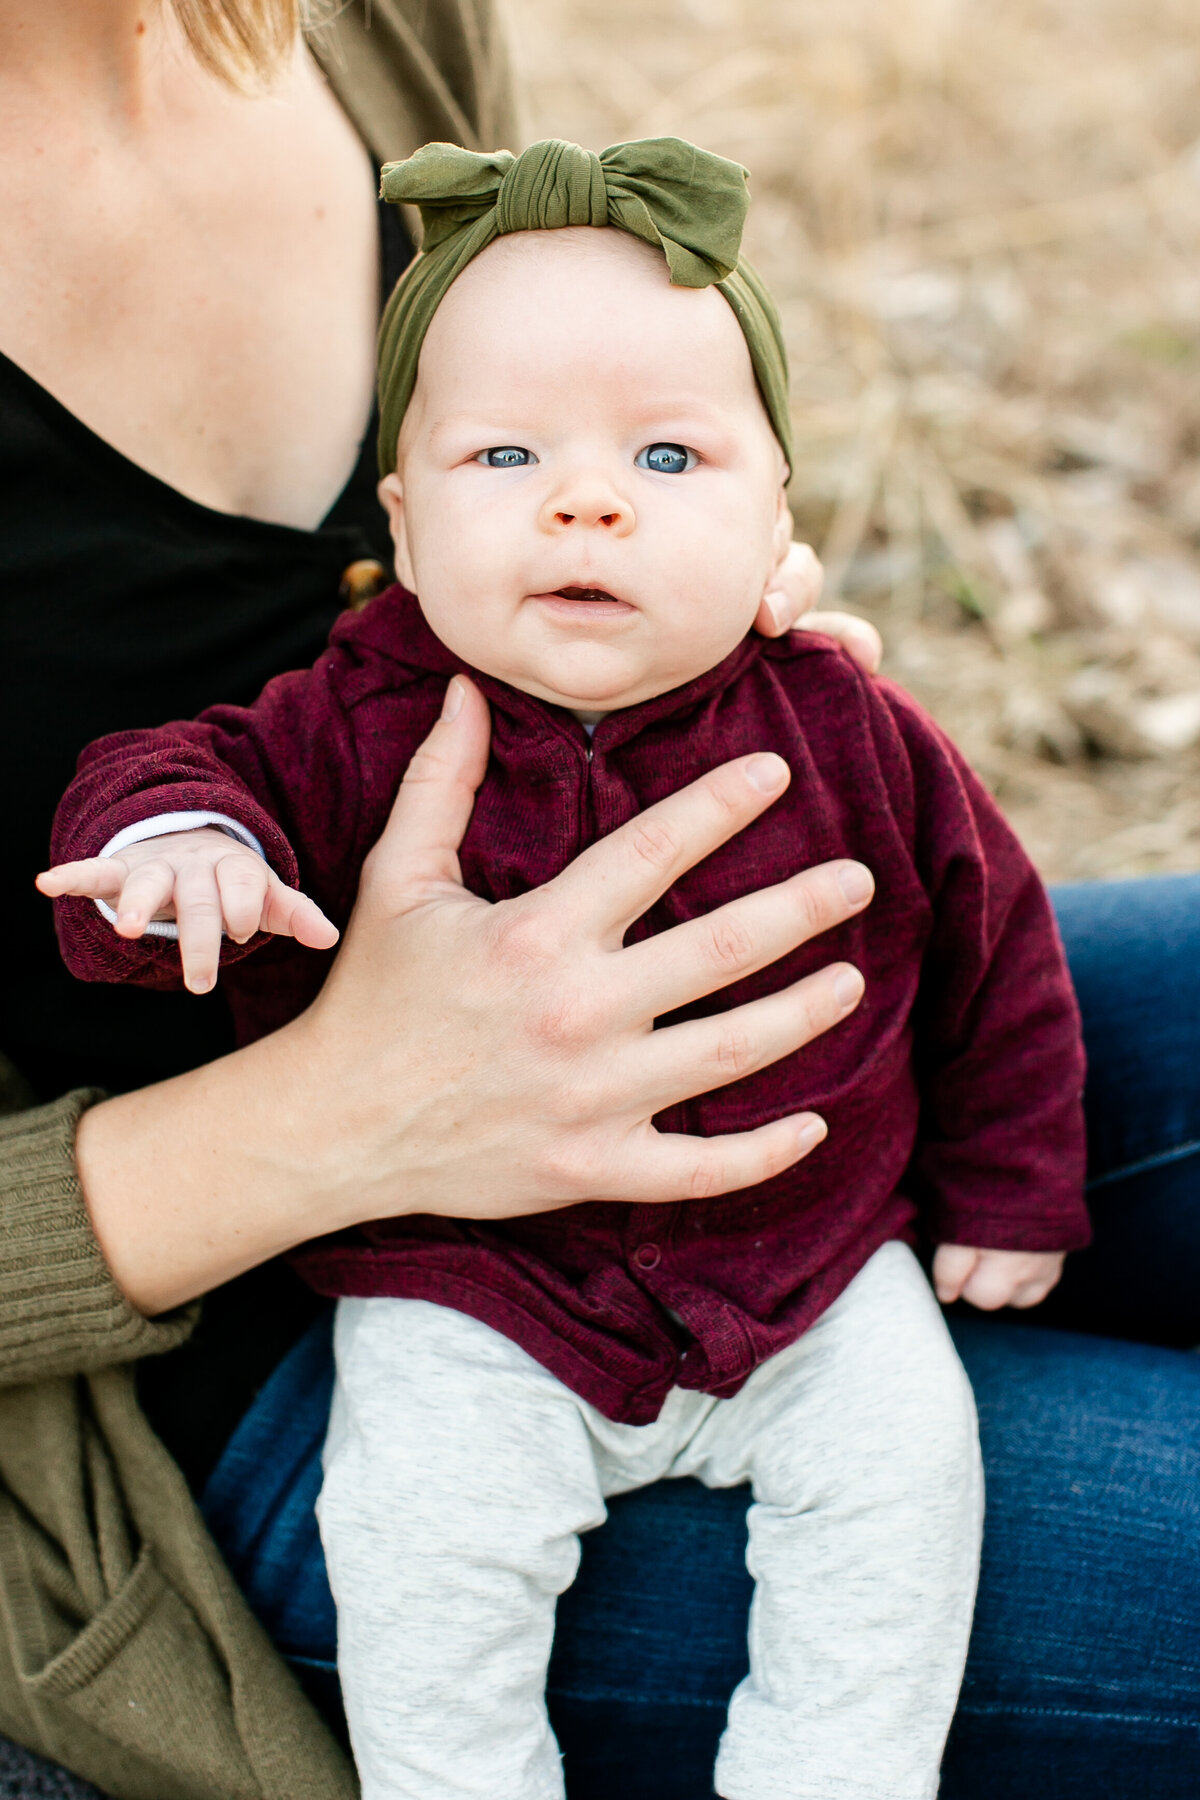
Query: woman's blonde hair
(245, 42)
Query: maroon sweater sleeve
(251, 764)
(1001, 1155)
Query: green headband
(687, 202)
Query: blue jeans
(1083, 1681)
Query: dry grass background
(982, 221)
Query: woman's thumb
(419, 844)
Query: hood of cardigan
(524, 718)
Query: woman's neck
(111, 65)
(191, 270)
(96, 56)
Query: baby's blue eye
(666, 459)
(506, 456)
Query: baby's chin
(602, 681)
(593, 699)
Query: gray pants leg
(459, 1474)
(861, 1448)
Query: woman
(218, 481)
(169, 441)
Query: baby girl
(585, 446)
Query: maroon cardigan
(952, 1093)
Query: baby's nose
(601, 507)
(608, 518)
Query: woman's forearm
(192, 1181)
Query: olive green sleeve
(409, 72)
(61, 1312)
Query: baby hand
(993, 1278)
(203, 880)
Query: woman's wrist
(192, 1181)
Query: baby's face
(588, 499)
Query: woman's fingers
(703, 955)
(858, 637)
(700, 1054)
(670, 1166)
(792, 591)
(96, 878)
(614, 882)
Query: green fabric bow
(687, 202)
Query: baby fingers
(289, 914)
(243, 881)
(952, 1267)
(1034, 1288)
(97, 878)
(136, 894)
(199, 917)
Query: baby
(585, 448)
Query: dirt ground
(982, 221)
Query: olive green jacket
(126, 1649)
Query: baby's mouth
(584, 593)
(574, 603)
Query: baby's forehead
(582, 266)
(581, 316)
(591, 251)
(597, 286)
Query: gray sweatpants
(459, 1474)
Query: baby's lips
(585, 593)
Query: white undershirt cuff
(162, 825)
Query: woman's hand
(478, 1060)
(787, 605)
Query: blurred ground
(982, 221)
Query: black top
(124, 603)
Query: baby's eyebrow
(475, 425)
(672, 419)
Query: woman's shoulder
(409, 73)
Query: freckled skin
(573, 347)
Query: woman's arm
(61, 1312)
(476, 1060)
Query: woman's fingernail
(767, 773)
(848, 989)
(780, 611)
(870, 648)
(855, 882)
(810, 1133)
(455, 695)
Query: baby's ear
(391, 498)
(781, 540)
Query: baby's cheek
(718, 612)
